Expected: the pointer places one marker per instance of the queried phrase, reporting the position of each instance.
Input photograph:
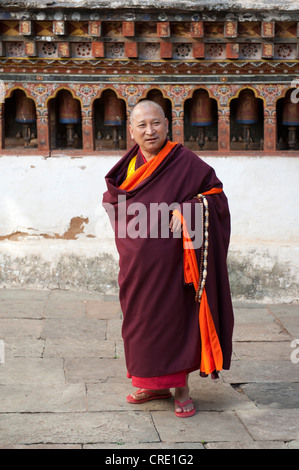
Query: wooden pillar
(42, 127)
(223, 129)
(270, 130)
(87, 132)
(178, 125)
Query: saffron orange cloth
(211, 353)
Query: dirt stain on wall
(76, 226)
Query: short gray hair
(146, 102)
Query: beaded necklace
(203, 268)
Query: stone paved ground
(63, 380)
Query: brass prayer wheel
(69, 114)
(290, 111)
(290, 117)
(69, 108)
(157, 97)
(247, 113)
(25, 114)
(201, 113)
(114, 114)
(114, 110)
(247, 108)
(25, 109)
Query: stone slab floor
(63, 380)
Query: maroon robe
(160, 316)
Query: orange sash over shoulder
(211, 353)
(147, 169)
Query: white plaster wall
(262, 197)
(45, 194)
(40, 196)
(264, 248)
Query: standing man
(174, 292)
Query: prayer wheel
(69, 109)
(290, 112)
(114, 114)
(157, 97)
(290, 118)
(201, 109)
(25, 109)
(247, 112)
(201, 113)
(25, 114)
(69, 114)
(247, 108)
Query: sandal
(184, 414)
(151, 396)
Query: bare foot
(143, 394)
(181, 396)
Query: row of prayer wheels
(70, 111)
(247, 114)
(201, 113)
(69, 114)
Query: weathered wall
(55, 234)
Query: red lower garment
(158, 383)
(175, 380)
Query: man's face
(149, 128)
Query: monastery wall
(227, 75)
(55, 233)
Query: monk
(174, 293)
